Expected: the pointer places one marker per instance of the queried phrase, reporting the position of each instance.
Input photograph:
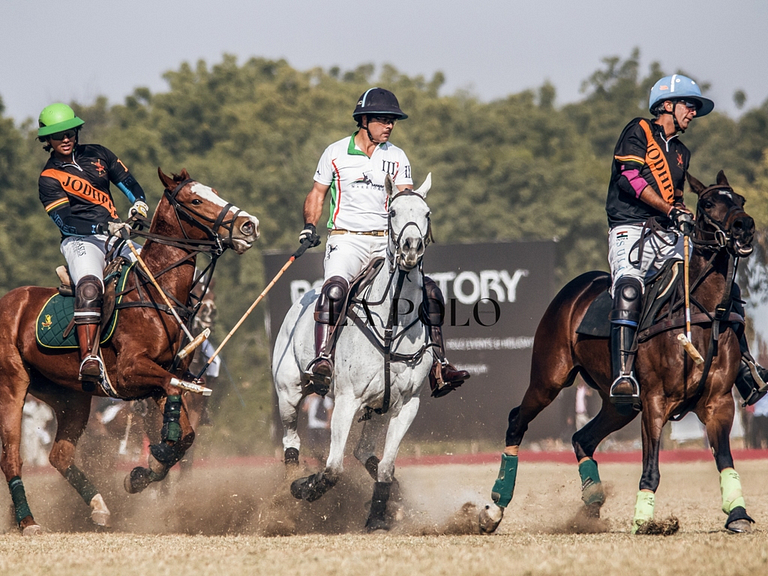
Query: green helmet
(57, 118)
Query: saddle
(55, 322)
(662, 296)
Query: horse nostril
(248, 228)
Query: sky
(75, 51)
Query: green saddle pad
(58, 312)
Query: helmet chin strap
(678, 129)
(370, 136)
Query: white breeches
(85, 255)
(346, 254)
(622, 247)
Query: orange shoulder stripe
(81, 188)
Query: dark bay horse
(670, 382)
(190, 219)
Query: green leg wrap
(19, 498)
(79, 482)
(171, 428)
(591, 487)
(643, 509)
(730, 488)
(504, 486)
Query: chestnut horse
(139, 358)
(671, 384)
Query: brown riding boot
(90, 366)
(443, 377)
(321, 368)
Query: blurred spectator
(758, 427)
(582, 416)
(36, 438)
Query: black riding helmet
(378, 101)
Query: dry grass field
(242, 520)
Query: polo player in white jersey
(353, 170)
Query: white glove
(140, 208)
(121, 229)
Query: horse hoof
(100, 514)
(32, 530)
(593, 510)
(298, 487)
(138, 479)
(489, 518)
(291, 457)
(740, 526)
(372, 467)
(374, 524)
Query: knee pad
(329, 308)
(433, 306)
(627, 300)
(88, 299)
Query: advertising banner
(495, 296)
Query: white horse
(382, 359)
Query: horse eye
(392, 213)
(706, 204)
(197, 202)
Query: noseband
(194, 217)
(721, 237)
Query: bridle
(721, 236)
(395, 249)
(214, 246)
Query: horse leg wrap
(19, 498)
(79, 482)
(504, 486)
(591, 488)
(377, 516)
(643, 509)
(165, 454)
(171, 431)
(312, 487)
(730, 488)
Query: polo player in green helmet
(74, 188)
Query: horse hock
(733, 502)
(592, 493)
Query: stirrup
(91, 377)
(625, 399)
(318, 383)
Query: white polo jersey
(358, 197)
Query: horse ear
(389, 186)
(424, 188)
(722, 180)
(165, 179)
(184, 175)
(696, 186)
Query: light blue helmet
(679, 87)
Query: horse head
(721, 221)
(203, 215)
(409, 227)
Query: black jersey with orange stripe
(632, 159)
(77, 196)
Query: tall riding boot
(624, 317)
(321, 368)
(90, 365)
(751, 378)
(443, 377)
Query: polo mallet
(299, 252)
(685, 339)
(194, 342)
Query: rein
(383, 342)
(212, 246)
